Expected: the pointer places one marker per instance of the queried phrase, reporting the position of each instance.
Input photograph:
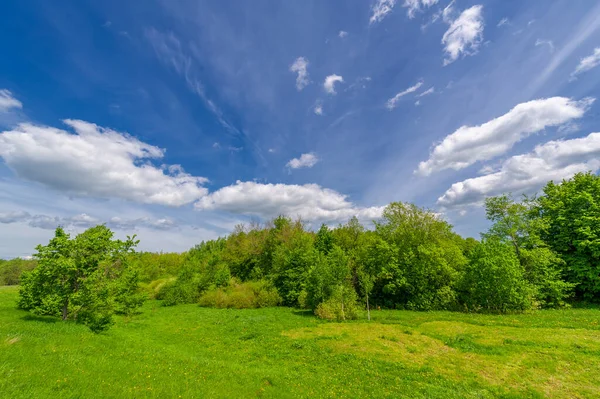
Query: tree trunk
(368, 310)
(65, 309)
(343, 315)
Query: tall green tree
(86, 278)
(429, 258)
(493, 280)
(571, 212)
(518, 224)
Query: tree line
(540, 252)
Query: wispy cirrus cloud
(8, 101)
(587, 63)
(392, 102)
(414, 6)
(381, 9)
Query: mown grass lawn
(193, 352)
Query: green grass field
(192, 352)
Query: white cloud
(380, 9)
(343, 34)
(318, 109)
(503, 21)
(97, 162)
(427, 92)
(7, 101)
(391, 103)
(85, 221)
(469, 144)
(587, 63)
(300, 66)
(464, 35)
(448, 13)
(548, 43)
(528, 173)
(330, 81)
(311, 202)
(417, 103)
(417, 5)
(305, 161)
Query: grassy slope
(188, 351)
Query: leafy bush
(246, 295)
(340, 306)
(153, 288)
(185, 289)
(494, 280)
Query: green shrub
(494, 280)
(153, 288)
(247, 295)
(341, 305)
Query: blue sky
(177, 120)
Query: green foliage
(329, 287)
(518, 224)
(11, 270)
(324, 240)
(340, 305)
(543, 269)
(155, 266)
(292, 259)
(494, 280)
(85, 279)
(185, 289)
(571, 213)
(428, 259)
(246, 295)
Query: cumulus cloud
(470, 144)
(587, 63)
(464, 35)
(391, 103)
(528, 173)
(311, 202)
(305, 161)
(97, 162)
(85, 221)
(381, 9)
(7, 101)
(417, 5)
(330, 81)
(300, 66)
(343, 34)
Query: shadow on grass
(42, 319)
(303, 313)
